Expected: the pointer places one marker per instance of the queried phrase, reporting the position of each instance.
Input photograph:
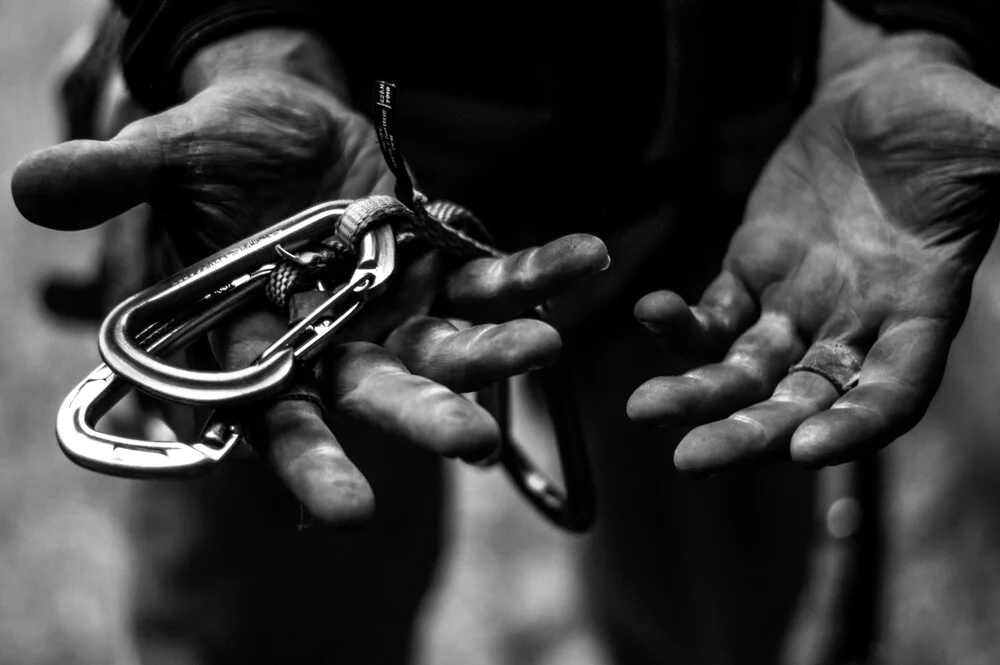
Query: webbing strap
(443, 225)
(365, 213)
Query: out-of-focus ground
(508, 591)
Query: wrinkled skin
(866, 228)
(254, 146)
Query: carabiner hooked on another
(376, 262)
(249, 261)
(133, 340)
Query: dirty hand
(853, 269)
(265, 132)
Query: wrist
(853, 48)
(909, 62)
(286, 51)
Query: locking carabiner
(248, 262)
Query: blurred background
(508, 589)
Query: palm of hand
(863, 234)
(252, 150)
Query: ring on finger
(836, 362)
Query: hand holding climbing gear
(238, 269)
(293, 255)
(231, 279)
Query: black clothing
(164, 33)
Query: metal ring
(836, 362)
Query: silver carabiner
(244, 262)
(93, 397)
(79, 439)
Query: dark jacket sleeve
(974, 24)
(163, 34)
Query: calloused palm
(865, 229)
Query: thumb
(79, 184)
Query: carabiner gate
(376, 263)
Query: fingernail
(607, 263)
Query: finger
(471, 359)
(898, 380)
(759, 432)
(291, 435)
(79, 184)
(754, 366)
(246, 333)
(367, 384)
(497, 289)
(726, 309)
(289, 431)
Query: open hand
(256, 143)
(853, 267)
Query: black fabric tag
(385, 99)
